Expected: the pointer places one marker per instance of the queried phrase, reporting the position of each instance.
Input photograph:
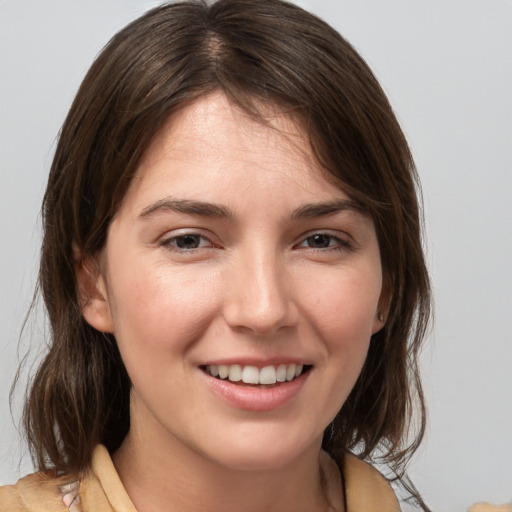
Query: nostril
(259, 300)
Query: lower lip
(251, 398)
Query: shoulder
(95, 489)
(365, 488)
(38, 492)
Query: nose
(259, 295)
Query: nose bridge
(258, 295)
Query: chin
(264, 452)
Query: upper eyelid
(344, 241)
(339, 241)
(176, 233)
(168, 237)
(342, 236)
(335, 233)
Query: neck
(164, 474)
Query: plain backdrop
(447, 68)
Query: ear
(92, 293)
(381, 315)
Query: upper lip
(257, 362)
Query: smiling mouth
(267, 376)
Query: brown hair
(265, 51)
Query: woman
(233, 273)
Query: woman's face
(233, 254)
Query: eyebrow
(205, 209)
(309, 211)
(187, 206)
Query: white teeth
(268, 375)
(252, 375)
(281, 373)
(290, 372)
(235, 373)
(223, 371)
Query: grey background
(447, 68)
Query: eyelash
(341, 244)
(172, 243)
(169, 243)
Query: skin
(254, 284)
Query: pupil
(320, 240)
(187, 242)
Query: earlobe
(379, 322)
(383, 306)
(92, 294)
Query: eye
(324, 241)
(319, 241)
(186, 242)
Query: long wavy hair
(257, 53)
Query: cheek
(345, 309)
(343, 315)
(160, 309)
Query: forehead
(212, 147)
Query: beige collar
(366, 489)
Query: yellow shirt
(101, 490)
